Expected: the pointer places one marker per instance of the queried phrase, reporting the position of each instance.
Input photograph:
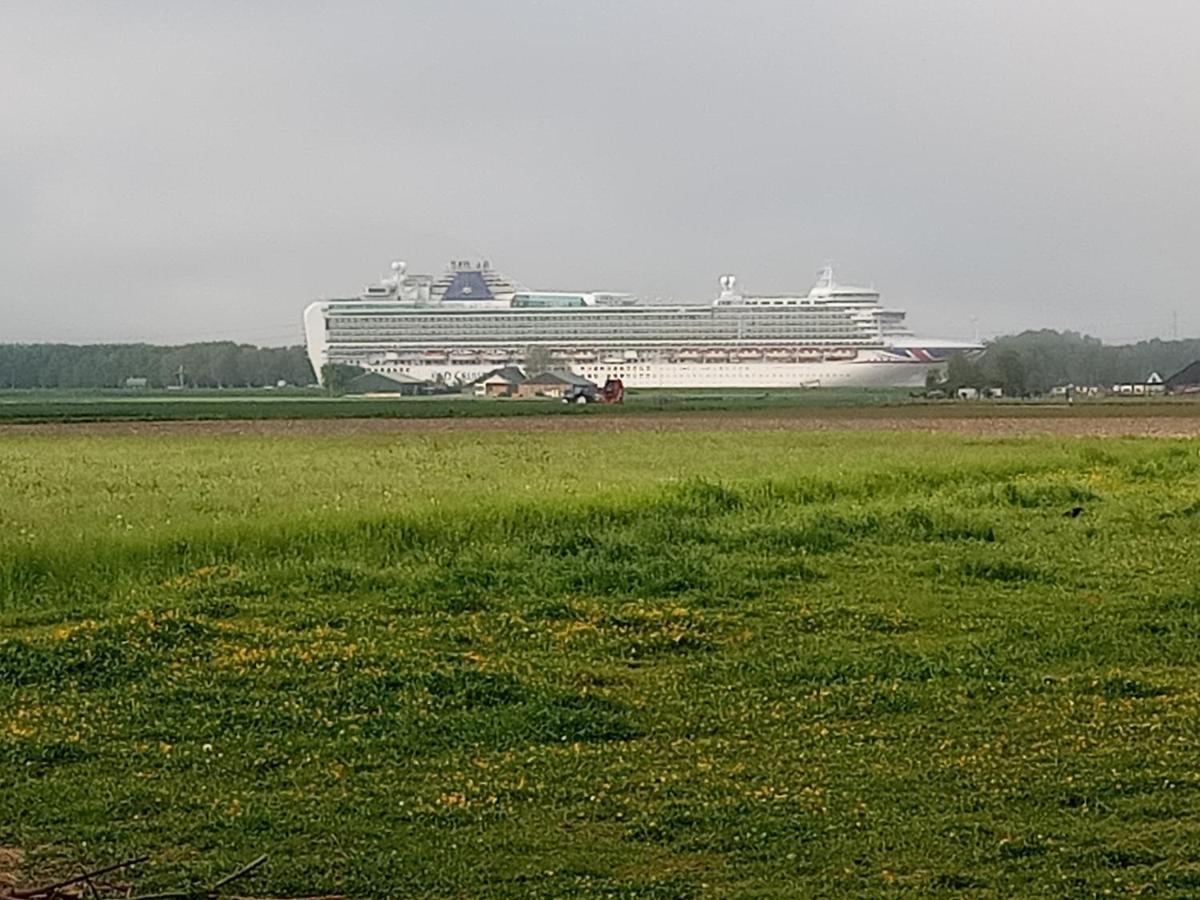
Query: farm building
(500, 383)
(557, 385)
(376, 384)
(1152, 385)
(1185, 381)
(1075, 390)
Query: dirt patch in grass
(12, 862)
(1003, 422)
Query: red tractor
(613, 391)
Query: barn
(1186, 380)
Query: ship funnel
(825, 281)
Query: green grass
(640, 664)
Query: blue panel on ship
(468, 286)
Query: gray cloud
(174, 174)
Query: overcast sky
(177, 171)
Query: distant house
(1152, 385)
(1071, 391)
(501, 383)
(559, 385)
(394, 384)
(972, 393)
(137, 384)
(1185, 381)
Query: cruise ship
(472, 320)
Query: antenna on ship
(398, 269)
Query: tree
(108, 365)
(1010, 369)
(335, 377)
(962, 372)
(538, 359)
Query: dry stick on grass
(215, 889)
(51, 889)
(209, 891)
(88, 883)
(244, 870)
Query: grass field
(649, 663)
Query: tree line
(218, 364)
(1035, 361)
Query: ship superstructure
(472, 320)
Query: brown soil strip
(988, 426)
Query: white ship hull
(853, 373)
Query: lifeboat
(749, 353)
(689, 355)
(780, 353)
(716, 356)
